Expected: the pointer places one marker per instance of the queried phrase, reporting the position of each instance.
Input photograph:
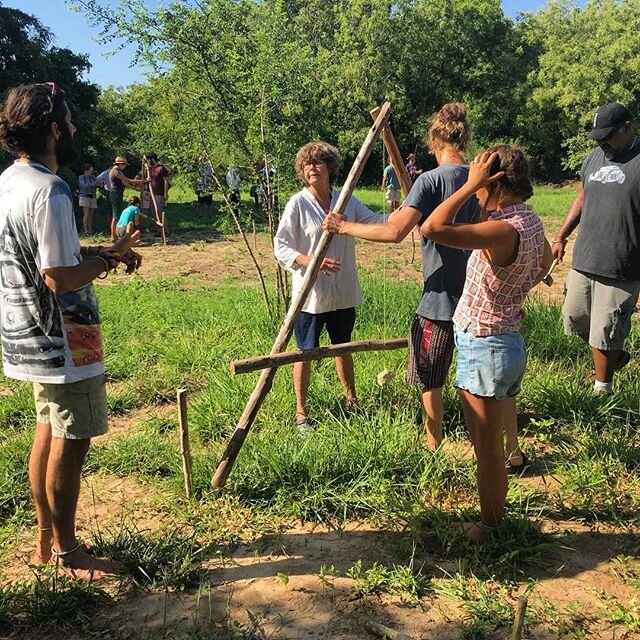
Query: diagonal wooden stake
(265, 381)
(395, 157)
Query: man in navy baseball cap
(609, 118)
(603, 285)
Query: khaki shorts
(394, 195)
(599, 309)
(75, 411)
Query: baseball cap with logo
(609, 118)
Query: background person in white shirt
(332, 300)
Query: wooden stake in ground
(265, 381)
(185, 448)
(518, 623)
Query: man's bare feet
(81, 565)
(42, 554)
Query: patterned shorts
(430, 352)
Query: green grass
(367, 465)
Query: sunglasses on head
(55, 89)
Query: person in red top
(159, 182)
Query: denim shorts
(490, 366)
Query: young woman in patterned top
(510, 256)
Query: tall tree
(27, 55)
(587, 57)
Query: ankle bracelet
(62, 554)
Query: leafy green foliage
(587, 57)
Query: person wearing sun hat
(603, 284)
(116, 195)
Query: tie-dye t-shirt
(45, 338)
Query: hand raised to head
(482, 170)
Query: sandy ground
(274, 587)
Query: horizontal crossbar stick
(332, 351)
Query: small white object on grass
(385, 376)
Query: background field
(312, 538)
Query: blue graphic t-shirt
(608, 242)
(45, 338)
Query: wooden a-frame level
(270, 363)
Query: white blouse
(299, 233)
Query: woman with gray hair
(336, 292)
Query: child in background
(130, 216)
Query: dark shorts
(205, 198)
(430, 352)
(117, 202)
(339, 326)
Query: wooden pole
(332, 351)
(185, 448)
(159, 218)
(395, 157)
(397, 162)
(265, 381)
(518, 623)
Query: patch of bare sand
(106, 501)
(128, 423)
(274, 584)
(204, 259)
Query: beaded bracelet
(105, 273)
